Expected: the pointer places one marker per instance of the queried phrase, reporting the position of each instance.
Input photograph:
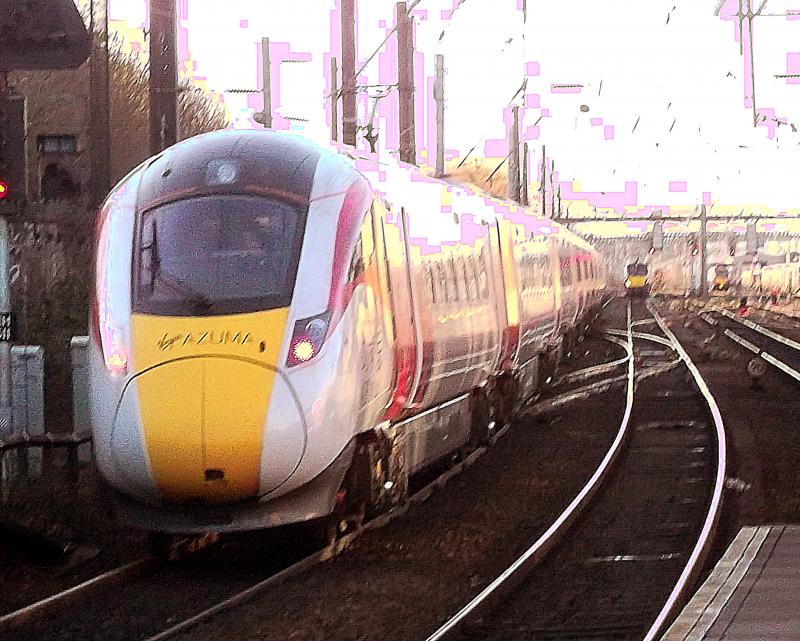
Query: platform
(753, 593)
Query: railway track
(68, 614)
(770, 347)
(632, 557)
(127, 594)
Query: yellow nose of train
(636, 282)
(203, 386)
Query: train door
(399, 305)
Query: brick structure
(49, 40)
(56, 131)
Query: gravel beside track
(141, 606)
(401, 581)
(68, 506)
(404, 580)
(446, 549)
(763, 477)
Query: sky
(658, 112)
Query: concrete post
(6, 424)
(438, 96)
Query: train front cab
(721, 282)
(222, 374)
(636, 283)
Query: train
(287, 333)
(780, 279)
(721, 280)
(637, 283)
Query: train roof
(291, 167)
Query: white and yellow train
(282, 333)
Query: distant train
(637, 283)
(721, 281)
(283, 333)
(781, 279)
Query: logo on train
(205, 338)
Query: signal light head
(5, 190)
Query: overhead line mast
(163, 75)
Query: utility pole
(12, 142)
(703, 253)
(334, 100)
(513, 156)
(3, 98)
(438, 96)
(266, 83)
(6, 414)
(405, 84)
(524, 185)
(163, 76)
(559, 200)
(542, 185)
(99, 103)
(349, 117)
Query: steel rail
(534, 554)
(761, 330)
(703, 545)
(757, 349)
(644, 336)
(595, 370)
(327, 553)
(125, 572)
(132, 570)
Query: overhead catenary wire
(378, 49)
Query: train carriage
(283, 333)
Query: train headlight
(303, 350)
(117, 362)
(307, 339)
(627, 283)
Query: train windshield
(637, 269)
(721, 270)
(217, 255)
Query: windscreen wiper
(193, 296)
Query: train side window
(472, 281)
(439, 283)
(461, 274)
(429, 282)
(483, 281)
(461, 285)
(450, 277)
(528, 271)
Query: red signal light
(4, 189)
